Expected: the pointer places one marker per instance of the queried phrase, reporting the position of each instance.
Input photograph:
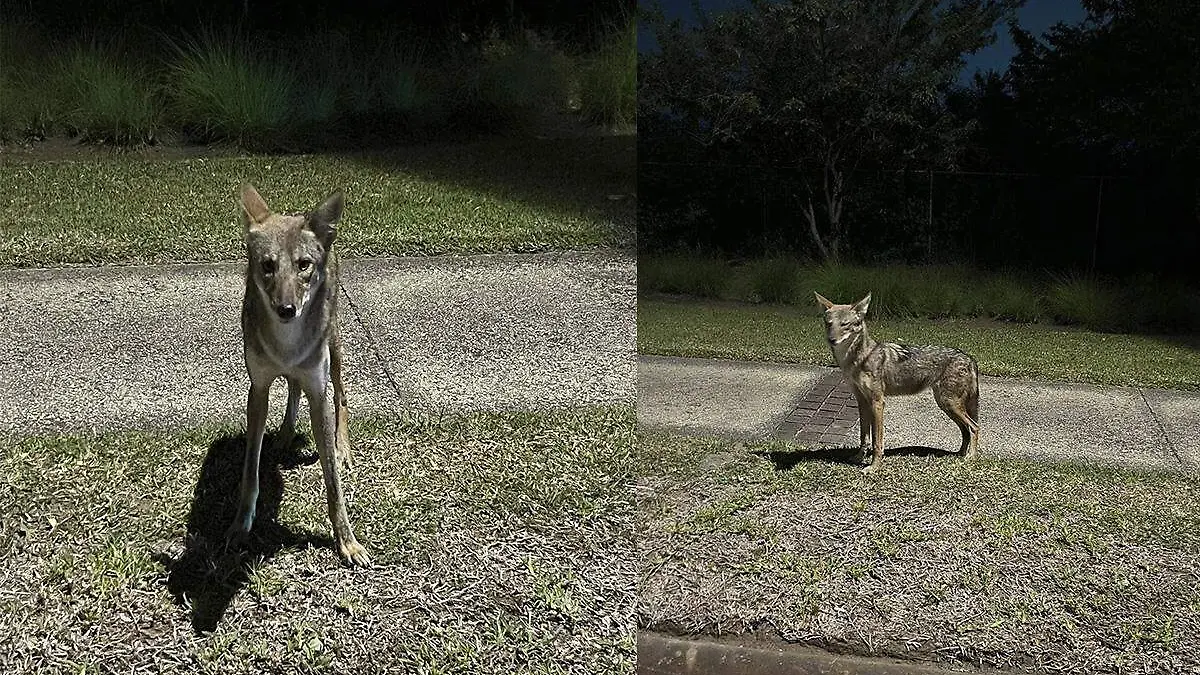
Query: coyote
(878, 369)
(290, 330)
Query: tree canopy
(834, 127)
(828, 87)
(1120, 91)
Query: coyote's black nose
(286, 311)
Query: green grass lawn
(786, 334)
(502, 544)
(1003, 564)
(1144, 303)
(494, 195)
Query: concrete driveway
(134, 347)
(1124, 426)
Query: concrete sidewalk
(1122, 426)
(134, 347)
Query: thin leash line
(1162, 429)
(374, 344)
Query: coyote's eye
(268, 267)
(303, 264)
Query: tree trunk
(835, 186)
(815, 234)
(834, 195)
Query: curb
(659, 654)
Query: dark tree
(825, 86)
(1121, 89)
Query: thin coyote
(879, 369)
(290, 330)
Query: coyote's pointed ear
(323, 220)
(254, 210)
(861, 306)
(823, 300)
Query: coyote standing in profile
(879, 369)
(290, 330)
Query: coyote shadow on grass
(208, 574)
(785, 460)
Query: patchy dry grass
(503, 544)
(1007, 564)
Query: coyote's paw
(870, 469)
(354, 553)
(236, 537)
(862, 453)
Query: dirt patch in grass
(1006, 564)
(503, 544)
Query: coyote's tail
(973, 399)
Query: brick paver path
(827, 417)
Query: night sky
(1035, 16)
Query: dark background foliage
(306, 75)
(571, 20)
(1081, 156)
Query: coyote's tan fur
(290, 330)
(879, 369)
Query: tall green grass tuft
(317, 84)
(1079, 299)
(17, 111)
(1007, 298)
(841, 284)
(102, 99)
(775, 279)
(223, 90)
(368, 81)
(519, 78)
(28, 106)
(698, 275)
(400, 80)
(608, 79)
(1150, 302)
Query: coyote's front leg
(256, 422)
(864, 427)
(287, 430)
(322, 404)
(876, 435)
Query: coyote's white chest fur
(289, 344)
(844, 349)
